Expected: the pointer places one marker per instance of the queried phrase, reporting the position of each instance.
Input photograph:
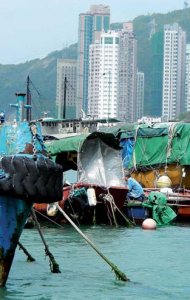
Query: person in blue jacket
(135, 190)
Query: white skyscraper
(103, 76)
(187, 79)
(91, 25)
(173, 96)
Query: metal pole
(64, 102)
(109, 93)
(28, 100)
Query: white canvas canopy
(100, 164)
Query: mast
(64, 100)
(28, 100)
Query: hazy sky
(33, 28)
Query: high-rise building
(187, 79)
(173, 95)
(112, 87)
(66, 88)
(154, 105)
(127, 74)
(91, 24)
(140, 95)
(103, 76)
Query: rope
(143, 151)
(128, 221)
(113, 213)
(110, 199)
(134, 155)
(112, 202)
(29, 256)
(54, 267)
(108, 213)
(119, 275)
(47, 218)
(171, 132)
(74, 213)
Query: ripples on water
(157, 263)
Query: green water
(157, 263)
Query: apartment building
(173, 94)
(127, 75)
(103, 76)
(91, 24)
(66, 88)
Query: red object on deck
(184, 211)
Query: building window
(98, 23)
(106, 23)
(108, 40)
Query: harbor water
(157, 263)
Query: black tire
(36, 180)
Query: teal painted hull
(13, 215)
(26, 175)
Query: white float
(91, 196)
(52, 209)
(149, 224)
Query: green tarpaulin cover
(161, 213)
(155, 144)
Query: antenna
(66, 86)
(64, 100)
(28, 100)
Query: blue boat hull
(26, 175)
(13, 215)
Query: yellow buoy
(163, 181)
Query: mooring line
(119, 275)
(47, 218)
(53, 264)
(29, 256)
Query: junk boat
(100, 158)
(27, 175)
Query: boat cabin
(64, 127)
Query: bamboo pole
(119, 275)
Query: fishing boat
(149, 151)
(27, 175)
(157, 155)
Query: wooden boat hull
(184, 212)
(13, 216)
(82, 212)
(102, 213)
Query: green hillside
(42, 72)
(142, 28)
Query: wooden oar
(119, 275)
